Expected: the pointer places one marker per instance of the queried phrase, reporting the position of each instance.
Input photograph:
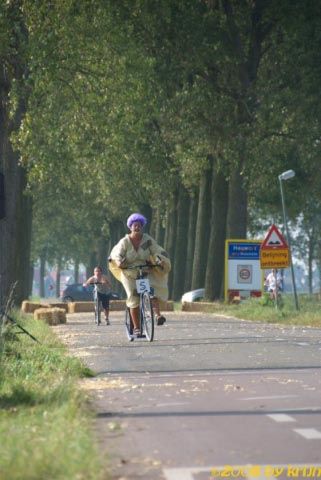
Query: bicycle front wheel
(129, 325)
(147, 317)
(97, 311)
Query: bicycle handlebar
(133, 267)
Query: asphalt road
(211, 397)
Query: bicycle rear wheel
(128, 325)
(147, 317)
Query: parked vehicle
(76, 292)
(194, 295)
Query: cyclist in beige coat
(136, 248)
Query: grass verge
(45, 421)
(262, 309)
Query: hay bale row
(167, 306)
(198, 306)
(117, 305)
(52, 316)
(78, 307)
(114, 306)
(30, 307)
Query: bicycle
(97, 303)
(273, 298)
(146, 314)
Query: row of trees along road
(185, 110)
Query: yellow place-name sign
(274, 258)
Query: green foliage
(126, 100)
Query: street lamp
(286, 176)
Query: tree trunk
(215, 260)
(319, 263)
(191, 234)
(179, 261)
(102, 253)
(92, 263)
(58, 277)
(117, 231)
(311, 249)
(147, 211)
(152, 229)
(159, 229)
(237, 206)
(76, 271)
(23, 253)
(202, 231)
(42, 274)
(248, 54)
(170, 235)
(15, 227)
(31, 274)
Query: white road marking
(213, 373)
(269, 397)
(184, 473)
(301, 409)
(308, 433)
(281, 417)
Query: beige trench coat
(148, 250)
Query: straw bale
(59, 305)
(52, 316)
(30, 307)
(117, 305)
(59, 315)
(77, 307)
(166, 306)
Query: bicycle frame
(97, 307)
(97, 303)
(146, 313)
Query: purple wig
(136, 217)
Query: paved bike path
(180, 402)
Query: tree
(15, 228)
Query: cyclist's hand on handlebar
(121, 264)
(160, 262)
(119, 261)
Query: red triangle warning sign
(274, 239)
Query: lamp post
(283, 177)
